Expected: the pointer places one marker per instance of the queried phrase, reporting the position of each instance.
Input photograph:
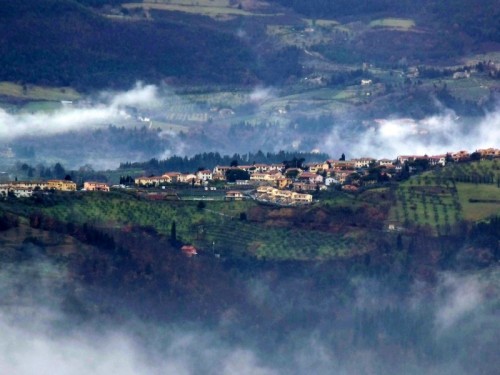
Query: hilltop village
(290, 183)
(293, 183)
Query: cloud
(111, 108)
(432, 135)
(38, 337)
(261, 94)
(140, 96)
(26, 352)
(462, 295)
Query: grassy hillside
(32, 92)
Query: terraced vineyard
(433, 205)
(216, 227)
(118, 209)
(275, 243)
(442, 198)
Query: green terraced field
(441, 198)
(216, 227)
(276, 243)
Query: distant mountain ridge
(78, 43)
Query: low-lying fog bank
(451, 327)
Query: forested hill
(95, 44)
(65, 43)
(479, 20)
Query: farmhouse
(205, 175)
(409, 158)
(187, 178)
(385, 162)
(174, 176)
(33, 185)
(317, 167)
(268, 167)
(17, 192)
(305, 186)
(282, 196)
(303, 198)
(489, 153)
(342, 164)
(189, 250)
(362, 162)
(152, 181)
(460, 156)
(95, 186)
(265, 176)
(312, 178)
(61, 185)
(437, 160)
(220, 170)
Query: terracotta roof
(308, 175)
(189, 250)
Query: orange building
(61, 185)
(95, 186)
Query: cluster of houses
(281, 184)
(287, 197)
(278, 183)
(24, 189)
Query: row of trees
(211, 159)
(57, 171)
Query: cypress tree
(173, 233)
